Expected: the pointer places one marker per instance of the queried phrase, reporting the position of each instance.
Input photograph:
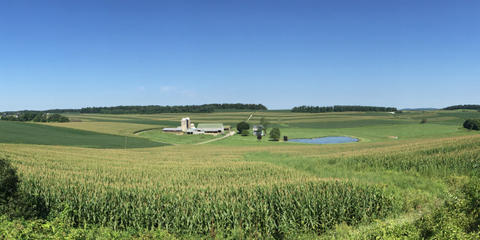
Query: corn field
(313, 206)
(455, 158)
(195, 192)
(198, 191)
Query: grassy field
(31, 133)
(240, 186)
(173, 138)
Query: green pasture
(366, 126)
(32, 133)
(91, 129)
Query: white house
(258, 129)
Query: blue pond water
(325, 140)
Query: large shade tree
(242, 126)
(275, 134)
(472, 124)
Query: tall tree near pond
(275, 134)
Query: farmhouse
(258, 130)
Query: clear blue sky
(72, 54)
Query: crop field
(123, 173)
(28, 133)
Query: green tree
(40, 118)
(275, 134)
(468, 124)
(245, 132)
(265, 123)
(242, 126)
(476, 125)
(57, 118)
(472, 124)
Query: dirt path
(231, 133)
(251, 115)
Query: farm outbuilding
(177, 129)
(211, 127)
(185, 124)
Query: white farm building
(211, 127)
(203, 128)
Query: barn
(177, 129)
(211, 127)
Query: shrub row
(457, 218)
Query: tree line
(467, 106)
(341, 108)
(35, 117)
(151, 109)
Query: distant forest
(339, 108)
(205, 108)
(34, 116)
(471, 106)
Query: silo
(185, 124)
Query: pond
(325, 140)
